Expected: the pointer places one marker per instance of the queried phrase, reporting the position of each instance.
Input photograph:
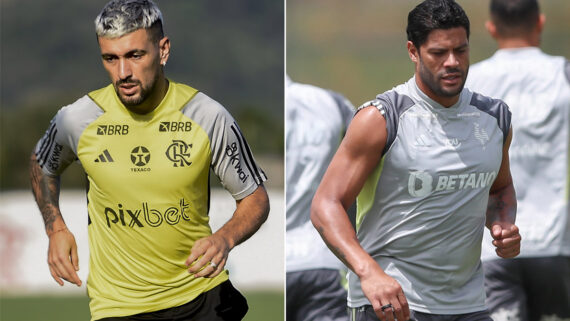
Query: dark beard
(431, 81)
(134, 101)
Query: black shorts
(222, 303)
(315, 295)
(528, 289)
(366, 313)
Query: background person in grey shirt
(535, 285)
(316, 122)
(429, 163)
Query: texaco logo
(179, 153)
(140, 156)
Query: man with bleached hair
(147, 145)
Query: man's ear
(413, 52)
(491, 28)
(541, 22)
(164, 46)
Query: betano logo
(150, 216)
(420, 183)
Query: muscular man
(428, 164)
(147, 144)
(316, 122)
(536, 86)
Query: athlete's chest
(157, 151)
(446, 152)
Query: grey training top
(316, 122)
(421, 213)
(537, 89)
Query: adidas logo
(422, 141)
(104, 157)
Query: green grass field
(262, 306)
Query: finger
(74, 258)
(508, 252)
(377, 309)
(496, 231)
(55, 276)
(201, 263)
(206, 271)
(404, 304)
(511, 241)
(218, 269)
(510, 231)
(57, 272)
(65, 267)
(397, 310)
(389, 313)
(197, 250)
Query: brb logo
(112, 130)
(179, 153)
(175, 126)
(420, 183)
(145, 216)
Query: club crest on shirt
(179, 153)
(481, 135)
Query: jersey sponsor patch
(54, 158)
(146, 216)
(421, 183)
(175, 126)
(104, 130)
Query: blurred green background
(359, 47)
(263, 306)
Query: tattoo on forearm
(502, 205)
(335, 249)
(46, 192)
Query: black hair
(512, 17)
(434, 14)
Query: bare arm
(251, 212)
(62, 252)
(502, 209)
(357, 156)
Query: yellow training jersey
(148, 193)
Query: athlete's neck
(512, 43)
(154, 98)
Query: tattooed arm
(62, 253)
(502, 210)
(357, 156)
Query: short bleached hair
(120, 17)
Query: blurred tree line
(231, 51)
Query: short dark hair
(513, 17)
(434, 14)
